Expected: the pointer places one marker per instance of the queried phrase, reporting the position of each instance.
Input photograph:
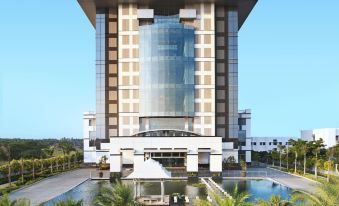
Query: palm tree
(281, 149)
(329, 163)
(116, 194)
(273, 201)
(297, 146)
(316, 147)
(287, 152)
(67, 147)
(48, 153)
(5, 152)
(326, 195)
(5, 201)
(236, 199)
(22, 170)
(69, 202)
(304, 148)
(274, 155)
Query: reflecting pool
(257, 188)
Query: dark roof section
(244, 6)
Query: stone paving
(52, 187)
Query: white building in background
(329, 135)
(245, 139)
(262, 144)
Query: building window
(242, 121)
(275, 142)
(90, 123)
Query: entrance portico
(170, 151)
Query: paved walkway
(292, 181)
(288, 180)
(50, 188)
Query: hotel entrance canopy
(244, 6)
(150, 169)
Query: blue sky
(288, 71)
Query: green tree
(326, 195)
(274, 155)
(48, 153)
(304, 149)
(235, 199)
(5, 153)
(298, 149)
(69, 202)
(316, 146)
(67, 147)
(5, 201)
(274, 201)
(281, 150)
(116, 194)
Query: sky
(288, 67)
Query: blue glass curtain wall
(166, 68)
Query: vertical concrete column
(215, 162)
(162, 191)
(139, 189)
(248, 156)
(135, 189)
(138, 160)
(192, 162)
(115, 163)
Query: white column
(215, 162)
(135, 189)
(162, 191)
(115, 162)
(248, 156)
(139, 189)
(138, 160)
(192, 162)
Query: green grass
(199, 185)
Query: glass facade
(232, 16)
(166, 68)
(178, 123)
(100, 74)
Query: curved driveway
(51, 187)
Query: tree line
(56, 156)
(301, 156)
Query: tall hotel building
(166, 82)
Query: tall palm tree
(304, 148)
(69, 202)
(5, 201)
(236, 199)
(274, 201)
(316, 147)
(5, 152)
(274, 155)
(296, 148)
(22, 169)
(67, 147)
(48, 153)
(281, 149)
(287, 152)
(326, 195)
(116, 194)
